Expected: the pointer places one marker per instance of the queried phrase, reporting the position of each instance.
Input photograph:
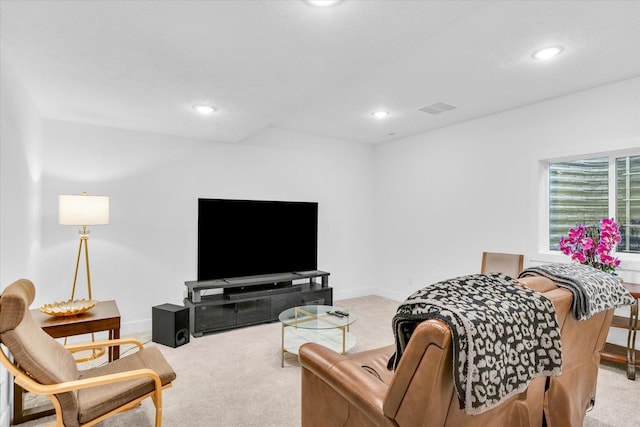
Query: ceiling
(142, 65)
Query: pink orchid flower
(593, 244)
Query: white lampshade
(83, 210)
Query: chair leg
(157, 400)
(58, 409)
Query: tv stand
(253, 299)
(260, 291)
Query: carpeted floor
(234, 378)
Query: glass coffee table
(322, 324)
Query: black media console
(243, 301)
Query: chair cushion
(21, 292)
(42, 357)
(96, 401)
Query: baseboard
(396, 296)
(363, 292)
(135, 328)
(339, 294)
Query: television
(239, 238)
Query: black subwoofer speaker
(170, 325)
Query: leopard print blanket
(503, 335)
(593, 290)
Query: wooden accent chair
(509, 264)
(43, 366)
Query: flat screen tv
(238, 238)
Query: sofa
(359, 390)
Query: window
(628, 202)
(587, 190)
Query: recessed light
(380, 114)
(322, 3)
(547, 52)
(204, 109)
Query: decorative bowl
(68, 308)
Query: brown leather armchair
(359, 390)
(570, 395)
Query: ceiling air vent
(437, 108)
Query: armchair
(569, 396)
(359, 390)
(43, 366)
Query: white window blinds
(578, 193)
(628, 203)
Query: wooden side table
(628, 355)
(103, 317)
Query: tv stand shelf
(195, 287)
(251, 300)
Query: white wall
(20, 179)
(444, 197)
(148, 250)
(20, 133)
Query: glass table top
(317, 317)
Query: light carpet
(234, 378)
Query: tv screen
(238, 238)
